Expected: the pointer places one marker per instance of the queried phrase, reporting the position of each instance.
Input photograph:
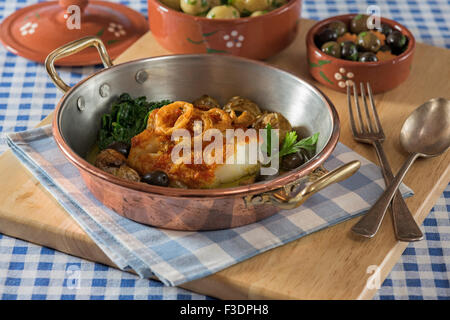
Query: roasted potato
(243, 112)
(194, 7)
(223, 12)
(205, 103)
(113, 162)
(276, 120)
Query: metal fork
(371, 132)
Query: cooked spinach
(128, 117)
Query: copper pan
(185, 77)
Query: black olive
(339, 26)
(349, 51)
(157, 178)
(324, 36)
(332, 48)
(368, 57)
(385, 29)
(121, 147)
(396, 40)
(292, 161)
(398, 51)
(147, 178)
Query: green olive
(339, 26)
(368, 41)
(332, 48)
(359, 23)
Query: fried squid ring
(219, 119)
(244, 120)
(173, 116)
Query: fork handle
(380, 207)
(406, 228)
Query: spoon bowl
(426, 132)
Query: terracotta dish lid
(35, 31)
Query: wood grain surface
(329, 264)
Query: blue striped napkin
(175, 257)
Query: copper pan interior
(186, 77)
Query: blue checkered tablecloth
(28, 271)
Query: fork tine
(358, 109)
(366, 108)
(350, 112)
(374, 110)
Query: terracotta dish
(77, 122)
(36, 30)
(338, 73)
(253, 37)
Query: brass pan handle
(72, 48)
(345, 171)
(283, 199)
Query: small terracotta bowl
(255, 38)
(338, 73)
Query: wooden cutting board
(329, 264)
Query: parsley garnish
(291, 145)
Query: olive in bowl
(358, 23)
(367, 56)
(332, 48)
(368, 41)
(349, 51)
(396, 41)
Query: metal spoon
(426, 133)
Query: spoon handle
(382, 204)
(405, 227)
